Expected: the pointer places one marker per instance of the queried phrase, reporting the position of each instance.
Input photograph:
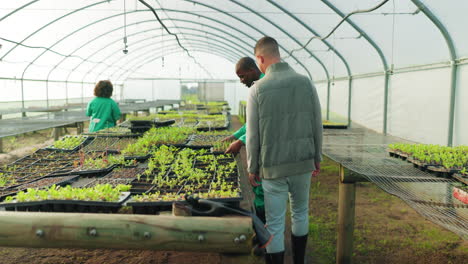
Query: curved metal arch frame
(154, 29)
(18, 9)
(170, 10)
(138, 23)
(247, 24)
(186, 40)
(379, 52)
(230, 57)
(119, 53)
(146, 60)
(50, 23)
(289, 35)
(220, 53)
(22, 84)
(348, 70)
(239, 54)
(453, 57)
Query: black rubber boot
(274, 258)
(298, 244)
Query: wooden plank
(120, 231)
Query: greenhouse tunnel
(397, 69)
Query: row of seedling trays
(122, 176)
(442, 161)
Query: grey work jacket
(285, 124)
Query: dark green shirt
(104, 113)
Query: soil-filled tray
(38, 183)
(93, 173)
(112, 182)
(102, 144)
(141, 123)
(69, 206)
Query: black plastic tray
(68, 206)
(335, 126)
(95, 173)
(141, 123)
(164, 123)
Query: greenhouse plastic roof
(84, 40)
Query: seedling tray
(150, 207)
(84, 143)
(75, 206)
(23, 186)
(442, 171)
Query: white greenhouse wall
(367, 99)
(234, 92)
(338, 99)
(152, 90)
(419, 105)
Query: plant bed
(48, 181)
(69, 143)
(112, 182)
(102, 144)
(123, 142)
(99, 199)
(125, 173)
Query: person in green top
(104, 111)
(248, 73)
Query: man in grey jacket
(284, 146)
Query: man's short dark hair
(103, 89)
(267, 46)
(246, 63)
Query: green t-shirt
(104, 113)
(258, 190)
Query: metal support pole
(346, 204)
(328, 100)
(453, 57)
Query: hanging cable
(336, 27)
(175, 35)
(125, 50)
